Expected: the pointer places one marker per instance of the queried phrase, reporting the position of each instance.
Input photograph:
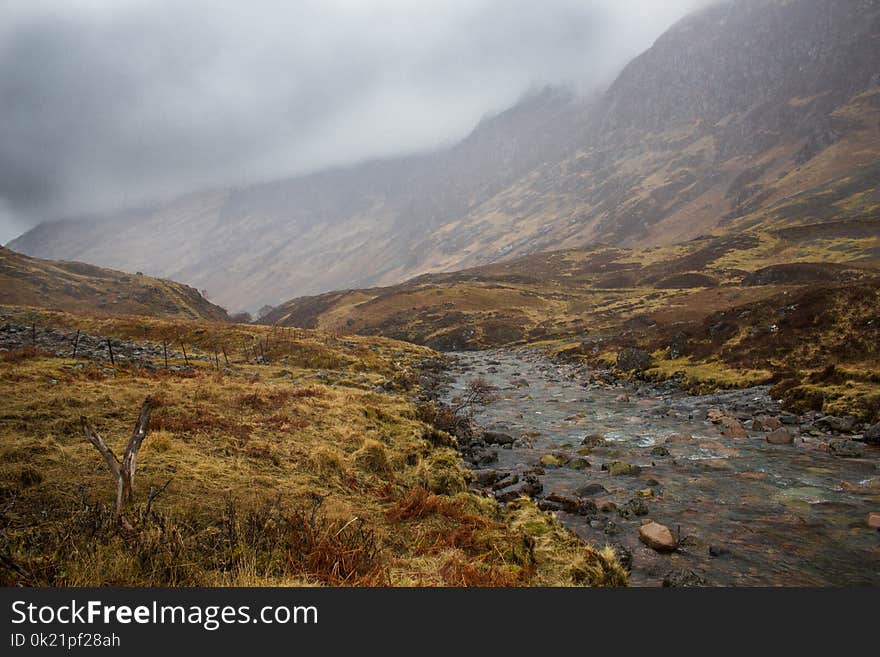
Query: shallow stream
(792, 515)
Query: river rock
(733, 428)
(574, 505)
(832, 423)
(766, 423)
(508, 479)
(873, 520)
(623, 554)
(593, 440)
(485, 477)
(658, 537)
(529, 487)
(497, 438)
(679, 439)
(847, 449)
(553, 460)
(683, 578)
(483, 456)
(789, 418)
(872, 435)
(590, 490)
(629, 360)
(781, 436)
(617, 468)
(633, 508)
(579, 463)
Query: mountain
(348, 226)
(748, 114)
(78, 287)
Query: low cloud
(112, 103)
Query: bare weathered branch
(154, 493)
(123, 471)
(95, 438)
(129, 460)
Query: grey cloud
(108, 103)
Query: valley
(616, 336)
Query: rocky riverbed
(737, 491)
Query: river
(747, 513)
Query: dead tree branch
(154, 493)
(123, 471)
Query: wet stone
(847, 449)
(658, 537)
(621, 468)
(781, 436)
(590, 490)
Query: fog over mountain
(106, 104)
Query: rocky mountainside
(758, 111)
(78, 287)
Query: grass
(706, 376)
(77, 286)
(314, 469)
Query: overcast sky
(110, 103)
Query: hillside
(758, 109)
(756, 307)
(76, 286)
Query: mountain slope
(79, 287)
(735, 111)
(346, 226)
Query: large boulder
(658, 537)
(630, 360)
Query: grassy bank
(311, 466)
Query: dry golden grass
(290, 473)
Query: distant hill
(78, 287)
(598, 291)
(750, 113)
